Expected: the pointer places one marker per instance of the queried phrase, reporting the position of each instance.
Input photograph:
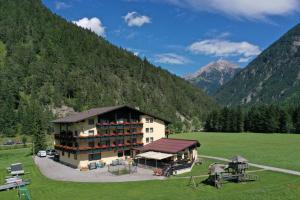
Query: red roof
(169, 145)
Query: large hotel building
(105, 134)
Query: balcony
(115, 124)
(64, 137)
(95, 149)
(73, 138)
(109, 135)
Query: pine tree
(208, 123)
(225, 120)
(215, 121)
(296, 120)
(239, 120)
(39, 137)
(283, 122)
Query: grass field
(270, 186)
(278, 150)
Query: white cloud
(135, 19)
(244, 59)
(171, 58)
(94, 24)
(250, 9)
(61, 5)
(135, 52)
(224, 48)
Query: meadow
(278, 150)
(271, 185)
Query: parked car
(9, 142)
(42, 154)
(51, 152)
(56, 157)
(19, 142)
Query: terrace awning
(154, 155)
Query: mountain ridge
(213, 75)
(273, 77)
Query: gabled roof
(216, 168)
(169, 145)
(77, 117)
(239, 159)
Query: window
(151, 130)
(68, 154)
(91, 122)
(120, 154)
(127, 153)
(133, 140)
(120, 141)
(147, 140)
(151, 139)
(91, 132)
(91, 144)
(149, 120)
(147, 130)
(75, 156)
(96, 156)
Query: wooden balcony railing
(58, 136)
(118, 123)
(85, 148)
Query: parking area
(58, 171)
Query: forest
(259, 119)
(47, 62)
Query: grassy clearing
(271, 185)
(278, 150)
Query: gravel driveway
(57, 171)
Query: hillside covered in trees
(273, 77)
(47, 62)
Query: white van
(42, 154)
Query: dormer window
(149, 120)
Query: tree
(215, 120)
(239, 120)
(225, 120)
(38, 138)
(296, 120)
(283, 122)
(24, 140)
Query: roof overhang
(154, 155)
(77, 117)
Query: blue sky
(183, 35)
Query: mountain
(47, 61)
(273, 77)
(213, 75)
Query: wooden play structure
(218, 174)
(234, 171)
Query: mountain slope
(49, 60)
(213, 75)
(273, 77)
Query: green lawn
(278, 150)
(271, 185)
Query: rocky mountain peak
(213, 75)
